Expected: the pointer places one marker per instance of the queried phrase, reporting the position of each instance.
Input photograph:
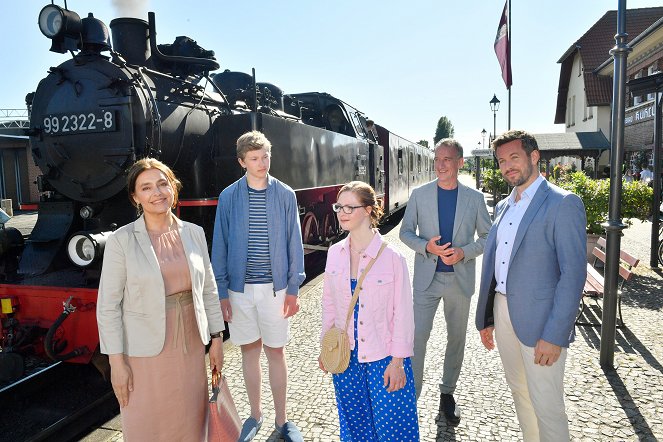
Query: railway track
(61, 403)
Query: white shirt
(646, 175)
(506, 232)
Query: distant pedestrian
(446, 224)
(158, 307)
(532, 277)
(628, 176)
(375, 394)
(258, 261)
(647, 175)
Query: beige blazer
(131, 305)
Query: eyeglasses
(336, 207)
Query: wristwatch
(215, 335)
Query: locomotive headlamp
(62, 26)
(55, 21)
(85, 248)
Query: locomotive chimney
(130, 39)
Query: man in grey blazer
(439, 224)
(533, 272)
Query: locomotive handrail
(156, 117)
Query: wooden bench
(594, 282)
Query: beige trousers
(538, 391)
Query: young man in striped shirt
(258, 261)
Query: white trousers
(538, 390)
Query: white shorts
(258, 314)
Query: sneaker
(289, 432)
(449, 409)
(250, 429)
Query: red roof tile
(594, 48)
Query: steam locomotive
(112, 103)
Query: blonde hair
(254, 140)
(366, 196)
(141, 166)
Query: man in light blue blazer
(440, 223)
(533, 273)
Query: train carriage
(110, 104)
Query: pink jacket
(386, 316)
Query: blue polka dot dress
(366, 411)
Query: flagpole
(508, 33)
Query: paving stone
(620, 404)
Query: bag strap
(358, 287)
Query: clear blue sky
(405, 64)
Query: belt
(178, 300)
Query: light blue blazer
(547, 269)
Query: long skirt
(169, 401)
(366, 411)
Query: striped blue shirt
(258, 263)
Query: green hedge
(493, 182)
(636, 199)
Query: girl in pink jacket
(375, 394)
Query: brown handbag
(223, 422)
(335, 345)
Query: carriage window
(356, 121)
(400, 161)
(411, 161)
(419, 163)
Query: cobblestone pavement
(624, 404)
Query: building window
(573, 110)
(568, 113)
(590, 112)
(637, 99)
(651, 70)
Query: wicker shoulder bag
(335, 346)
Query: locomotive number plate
(84, 122)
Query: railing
(14, 118)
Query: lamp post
(477, 169)
(477, 166)
(614, 226)
(494, 106)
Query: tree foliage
(444, 129)
(423, 143)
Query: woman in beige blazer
(158, 307)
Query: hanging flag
(503, 47)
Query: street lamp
(478, 165)
(494, 106)
(477, 168)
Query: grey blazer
(131, 306)
(547, 269)
(421, 223)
